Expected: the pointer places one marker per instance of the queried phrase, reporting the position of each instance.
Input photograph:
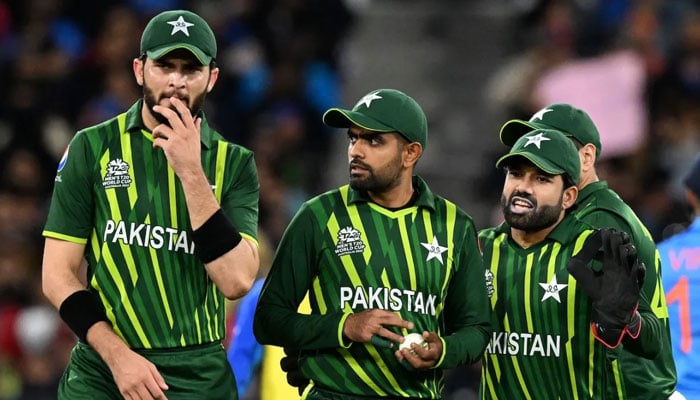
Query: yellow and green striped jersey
(644, 378)
(542, 346)
(117, 194)
(350, 255)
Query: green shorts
(197, 372)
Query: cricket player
(556, 314)
(381, 257)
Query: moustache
(524, 196)
(359, 164)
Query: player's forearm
(201, 203)
(234, 272)
(299, 331)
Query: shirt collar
(589, 189)
(426, 198)
(134, 123)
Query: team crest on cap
(368, 99)
(180, 25)
(540, 114)
(117, 174)
(536, 140)
(349, 242)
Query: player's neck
(587, 178)
(397, 198)
(527, 239)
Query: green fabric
(198, 373)
(350, 255)
(117, 194)
(178, 29)
(562, 117)
(542, 346)
(384, 110)
(549, 150)
(644, 379)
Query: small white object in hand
(416, 338)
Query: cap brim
(512, 130)
(339, 118)
(159, 52)
(539, 162)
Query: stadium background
(472, 65)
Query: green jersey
(542, 345)
(644, 379)
(350, 255)
(117, 194)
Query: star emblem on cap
(367, 100)
(552, 289)
(180, 25)
(540, 114)
(536, 140)
(434, 250)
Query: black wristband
(80, 311)
(215, 237)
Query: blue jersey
(680, 258)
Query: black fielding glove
(614, 289)
(290, 365)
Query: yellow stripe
(516, 364)
(618, 379)
(357, 282)
(128, 257)
(360, 372)
(222, 150)
(318, 292)
(490, 384)
(451, 218)
(72, 239)
(406, 243)
(527, 301)
(571, 318)
(95, 244)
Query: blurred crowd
(634, 65)
(67, 64)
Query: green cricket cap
(563, 117)
(383, 110)
(550, 150)
(178, 29)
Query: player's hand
(422, 357)
(137, 378)
(614, 289)
(372, 326)
(290, 365)
(180, 140)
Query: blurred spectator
(680, 257)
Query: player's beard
(149, 98)
(537, 219)
(377, 181)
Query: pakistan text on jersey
(524, 344)
(387, 299)
(146, 235)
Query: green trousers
(191, 373)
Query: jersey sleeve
(467, 310)
(70, 215)
(293, 268)
(240, 203)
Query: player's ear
(412, 151)
(587, 155)
(138, 70)
(569, 197)
(213, 77)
